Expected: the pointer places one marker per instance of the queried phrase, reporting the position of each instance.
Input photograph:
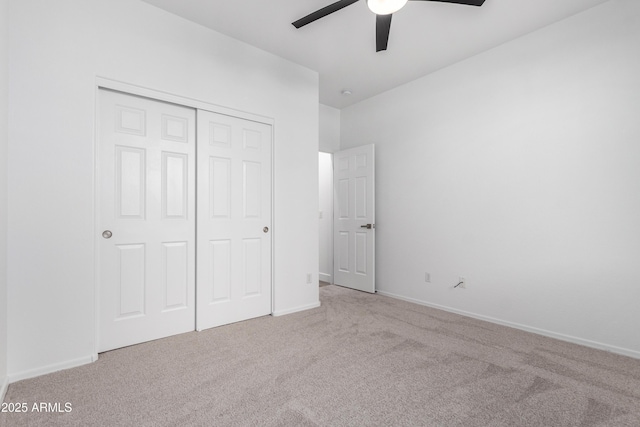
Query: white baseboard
(296, 309)
(3, 388)
(325, 277)
(575, 340)
(31, 373)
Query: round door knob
(266, 229)
(107, 234)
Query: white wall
(4, 104)
(519, 170)
(56, 51)
(325, 168)
(329, 129)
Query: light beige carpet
(358, 360)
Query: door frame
(159, 95)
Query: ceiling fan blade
(321, 13)
(467, 2)
(383, 26)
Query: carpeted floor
(358, 360)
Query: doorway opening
(347, 177)
(325, 217)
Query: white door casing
(234, 219)
(146, 209)
(354, 218)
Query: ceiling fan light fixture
(385, 7)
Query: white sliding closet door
(234, 220)
(146, 218)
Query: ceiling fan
(383, 9)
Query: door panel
(131, 283)
(174, 185)
(130, 188)
(146, 173)
(354, 204)
(234, 219)
(361, 252)
(220, 197)
(220, 270)
(175, 263)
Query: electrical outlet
(308, 278)
(463, 283)
(427, 277)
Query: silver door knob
(107, 234)
(266, 229)
(367, 226)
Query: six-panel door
(354, 218)
(234, 219)
(147, 208)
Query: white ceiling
(425, 36)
